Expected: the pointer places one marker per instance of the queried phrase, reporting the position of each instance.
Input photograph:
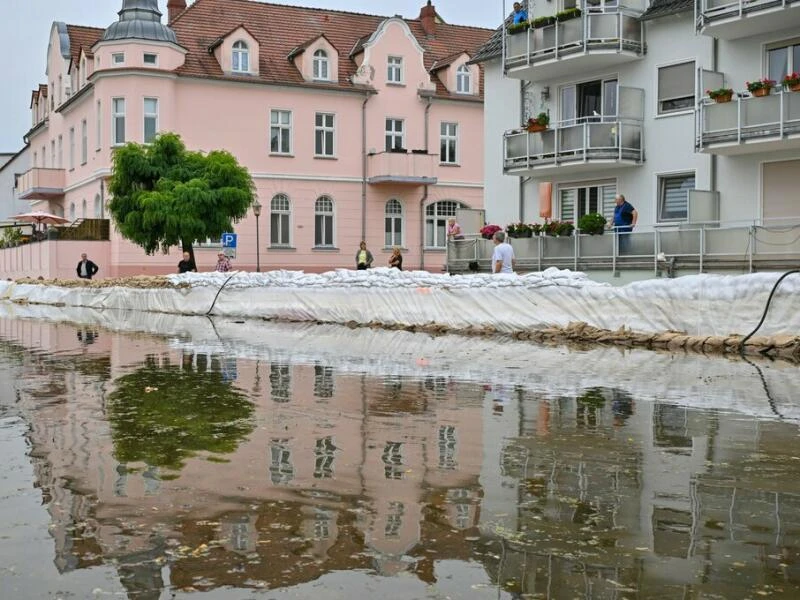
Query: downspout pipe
(364, 166)
(429, 99)
(712, 170)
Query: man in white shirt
(503, 260)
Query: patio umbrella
(38, 217)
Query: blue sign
(229, 240)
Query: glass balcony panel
(571, 32)
(720, 117)
(517, 46)
(761, 111)
(603, 26)
(571, 138)
(594, 246)
(631, 103)
(732, 241)
(631, 136)
(631, 29)
(680, 243)
(602, 135)
(558, 247)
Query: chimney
(427, 18)
(174, 8)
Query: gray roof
(141, 20)
(491, 49)
(664, 8)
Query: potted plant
(519, 230)
(565, 228)
(538, 123)
(593, 224)
(720, 95)
(488, 231)
(537, 229)
(792, 81)
(761, 87)
(515, 28)
(566, 15)
(539, 22)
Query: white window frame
(661, 189)
(448, 133)
(116, 116)
(82, 74)
(60, 151)
(240, 57)
(71, 148)
(118, 59)
(280, 131)
(83, 208)
(436, 216)
(98, 207)
(84, 142)
(606, 192)
(690, 101)
(391, 218)
(153, 62)
(326, 127)
(394, 131)
(152, 116)
(394, 70)
(321, 66)
(44, 156)
(52, 154)
(72, 211)
(463, 80)
(790, 66)
(283, 215)
(99, 118)
(329, 222)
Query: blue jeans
(624, 237)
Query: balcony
(735, 19)
(597, 40)
(749, 125)
(400, 167)
(41, 184)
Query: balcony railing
(698, 248)
(598, 38)
(401, 167)
(733, 19)
(39, 183)
(749, 124)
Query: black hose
(222, 287)
(766, 309)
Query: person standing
(223, 263)
(503, 259)
(396, 259)
(86, 268)
(454, 230)
(520, 14)
(625, 217)
(187, 264)
(363, 257)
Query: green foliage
(592, 397)
(566, 15)
(163, 415)
(593, 223)
(12, 236)
(558, 228)
(543, 21)
(519, 230)
(517, 28)
(164, 195)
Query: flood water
(153, 467)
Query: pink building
(353, 127)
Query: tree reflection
(162, 415)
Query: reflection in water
(156, 464)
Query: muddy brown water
(134, 467)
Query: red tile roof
(82, 37)
(280, 28)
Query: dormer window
(82, 74)
(118, 58)
(321, 65)
(150, 59)
(240, 61)
(394, 69)
(463, 80)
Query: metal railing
(700, 247)
(708, 11)
(748, 118)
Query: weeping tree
(163, 195)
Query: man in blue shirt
(625, 217)
(520, 14)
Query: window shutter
(675, 197)
(568, 198)
(676, 81)
(607, 194)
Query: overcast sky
(25, 26)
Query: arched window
(393, 219)
(98, 207)
(280, 213)
(83, 209)
(323, 222)
(71, 211)
(320, 64)
(240, 62)
(436, 216)
(463, 80)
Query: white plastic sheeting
(765, 388)
(697, 305)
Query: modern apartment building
(353, 126)
(624, 83)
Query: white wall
(9, 203)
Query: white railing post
(702, 246)
(576, 247)
(656, 248)
(738, 120)
(752, 234)
(780, 107)
(539, 248)
(619, 30)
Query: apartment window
(323, 134)
(783, 58)
(448, 142)
(324, 455)
(150, 59)
(150, 119)
(323, 381)
(44, 156)
(99, 119)
(676, 87)
(321, 65)
(98, 207)
(240, 60)
(59, 90)
(463, 80)
(393, 219)
(394, 135)
(52, 154)
(394, 520)
(83, 208)
(72, 148)
(281, 470)
(436, 216)
(35, 159)
(323, 222)
(71, 211)
(447, 447)
(394, 69)
(280, 381)
(576, 201)
(673, 196)
(393, 460)
(588, 101)
(53, 93)
(84, 142)
(118, 121)
(60, 152)
(280, 213)
(118, 58)
(82, 74)
(280, 132)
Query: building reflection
(594, 495)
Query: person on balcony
(625, 217)
(503, 260)
(454, 230)
(364, 257)
(520, 14)
(86, 268)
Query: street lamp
(257, 213)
